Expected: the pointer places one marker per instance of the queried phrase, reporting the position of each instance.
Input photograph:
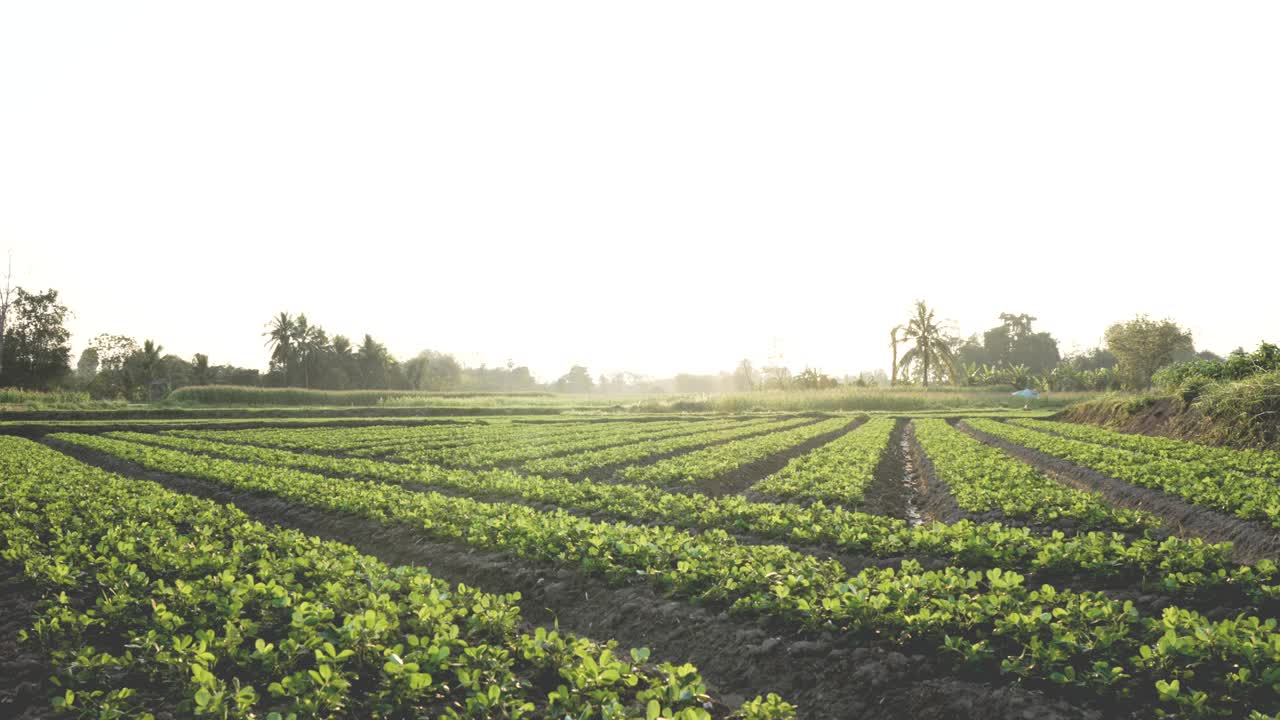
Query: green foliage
(1201, 482)
(44, 398)
(1253, 462)
(931, 346)
(717, 460)
(837, 472)
(983, 478)
(258, 396)
(1143, 345)
(1237, 366)
(1249, 409)
(991, 619)
(705, 433)
(213, 615)
(900, 399)
(37, 344)
(577, 380)
(1174, 564)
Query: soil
(827, 676)
(934, 500)
(23, 692)
(1252, 541)
(892, 491)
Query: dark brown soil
(934, 500)
(1252, 541)
(892, 492)
(828, 676)
(744, 476)
(23, 691)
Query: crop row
(157, 601)
(837, 472)
(1251, 462)
(395, 445)
(520, 447)
(506, 432)
(582, 462)
(983, 479)
(344, 438)
(713, 462)
(1174, 564)
(984, 619)
(1228, 491)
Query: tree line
(303, 354)
(35, 353)
(924, 350)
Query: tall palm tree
(151, 358)
(931, 344)
(313, 347)
(200, 369)
(893, 343)
(344, 360)
(308, 341)
(372, 356)
(279, 336)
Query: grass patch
(241, 396)
(905, 400)
(19, 399)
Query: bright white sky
(656, 186)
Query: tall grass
(238, 395)
(861, 399)
(21, 399)
(1248, 410)
(834, 400)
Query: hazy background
(656, 187)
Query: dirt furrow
(24, 694)
(934, 500)
(1251, 540)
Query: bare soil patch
(24, 673)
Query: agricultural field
(757, 566)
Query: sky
(654, 187)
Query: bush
(1237, 366)
(1251, 407)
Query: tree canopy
(1143, 345)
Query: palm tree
(372, 356)
(200, 369)
(344, 361)
(931, 342)
(308, 342)
(893, 343)
(151, 358)
(279, 336)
